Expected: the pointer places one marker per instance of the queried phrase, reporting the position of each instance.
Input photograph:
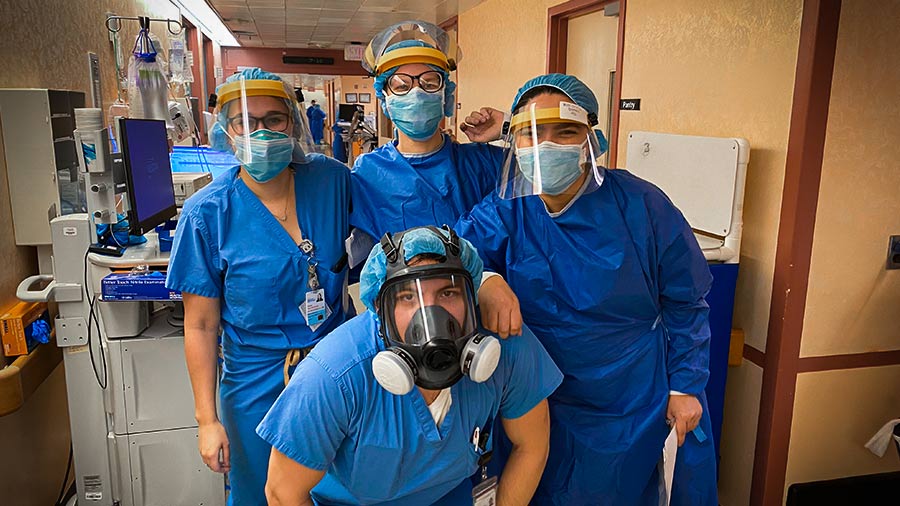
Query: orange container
(13, 324)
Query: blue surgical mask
(270, 153)
(417, 114)
(560, 165)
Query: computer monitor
(346, 111)
(148, 175)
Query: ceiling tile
(297, 23)
(303, 12)
(265, 3)
(305, 4)
(382, 3)
(342, 5)
(228, 3)
(340, 22)
(300, 21)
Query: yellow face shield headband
(565, 113)
(253, 88)
(407, 55)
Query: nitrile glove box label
(127, 286)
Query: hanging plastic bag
(147, 86)
(177, 67)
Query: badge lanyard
(485, 493)
(314, 308)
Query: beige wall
(835, 414)
(44, 46)
(504, 44)
(852, 301)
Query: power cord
(62, 489)
(94, 319)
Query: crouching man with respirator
(396, 406)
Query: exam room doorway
(585, 40)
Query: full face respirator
(428, 320)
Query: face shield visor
(431, 317)
(259, 121)
(443, 52)
(552, 150)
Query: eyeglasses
(430, 81)
(276, 122)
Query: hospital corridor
(449, 252)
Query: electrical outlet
(893, 258)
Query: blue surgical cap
(573, 88)
(218, 139)
(415, 242)
(381, 79)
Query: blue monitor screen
(148, 173)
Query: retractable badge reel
(314, 308)
(485, 493)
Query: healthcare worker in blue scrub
(316, 117)
(423, 177)
(258, 252)
(612, 281)
(396, 406)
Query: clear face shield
(258, 119)
(551, 150)
(444, 52)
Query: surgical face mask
(269, 153)
(560, 165)
(417, 114)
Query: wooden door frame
(557, 37)
(209, 64)
(781, 361)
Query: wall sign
(307, 60)
(354, 52)
(630, 104)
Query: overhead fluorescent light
(207, 20)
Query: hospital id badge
(485, 493)
(314, 309)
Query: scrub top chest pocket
(264, 290)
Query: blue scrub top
(229, 246)
(614, 288)
(380, 448)
(393, 192)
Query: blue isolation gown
(229, 246)
(614, 288)
(381, 448)
(393, 192)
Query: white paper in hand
(670, 451)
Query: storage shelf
(21, 378)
